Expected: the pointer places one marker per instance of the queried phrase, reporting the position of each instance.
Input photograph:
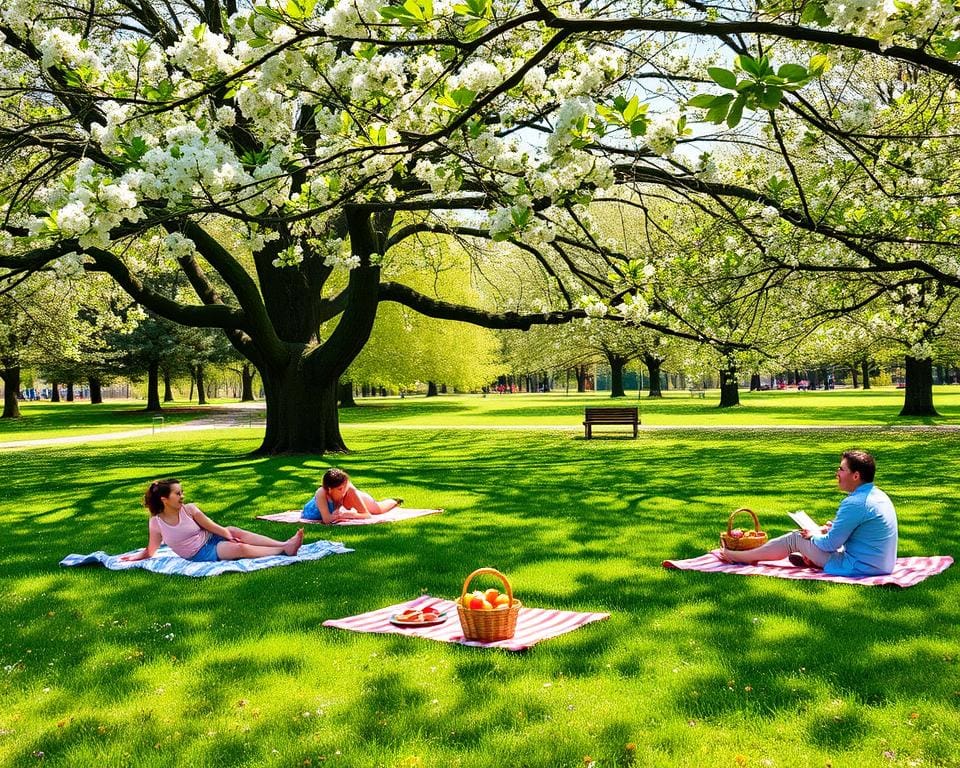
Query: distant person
(861, 540)
(194, 536)
(338, 499)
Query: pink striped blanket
(908, 571)
(395, 514)
(533, 624)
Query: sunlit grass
(100, 668)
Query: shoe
(399, 502)
(799, 560)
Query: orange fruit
(491, 595)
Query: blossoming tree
(258, 149)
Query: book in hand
(804, 521)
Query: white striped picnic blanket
(165, 561)
(533, 624)
(907, 572)
(395, 514)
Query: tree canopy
(814, 136)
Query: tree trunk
(96, 391)
(11, 388)
(54, 392)
(918, 395)
(754, 382)
(301, 415)
(580, 371)
(617, 362)
(201, 388)
(865, 373)
(855, 375)
(246, 383)
(653, 371)
(70, 392)
(346, 395)
(167, 386)
(431, 389)
(729, 390)
(153, 387)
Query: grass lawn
(115, 669)
(877, 407)
(46, 420)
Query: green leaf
(702, 101)
(473, 27)
(736, 111)
(365, 51)
(770, 98)
(639, 127)
(748, 64)
(819, 64)
(722, 77)
(816, 13)
(718, 112)
(793, 72)
(269, 13)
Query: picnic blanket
(907, 572)
(533, 624)
(165, 561)
(397, 513)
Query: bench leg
(587, 431)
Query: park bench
(697, 393)
(609, 416)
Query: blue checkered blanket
(165, 561)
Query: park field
(101, 668)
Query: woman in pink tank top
(194, 536)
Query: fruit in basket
(475, 602)
(754, 534)
(491, 595)
(736, 533)
(502, 601)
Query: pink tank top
(186, 537)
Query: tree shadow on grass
(580, 526)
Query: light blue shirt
(863, 537)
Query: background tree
(323, 136)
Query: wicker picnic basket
(486, 626)
(749, 540)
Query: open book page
(804, 521)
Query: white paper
(804, 521)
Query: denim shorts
(208, 552)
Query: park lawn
(41, 419)
(101, 668)
(878, 407)
(841, 407)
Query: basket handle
(756, 522)
(492, 572)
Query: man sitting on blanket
(861, 540)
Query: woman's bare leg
(248, 537)
(777, 549)
(230, 550)
(377, 507)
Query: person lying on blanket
(861, 540)
(194, 536)
(338, 499)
